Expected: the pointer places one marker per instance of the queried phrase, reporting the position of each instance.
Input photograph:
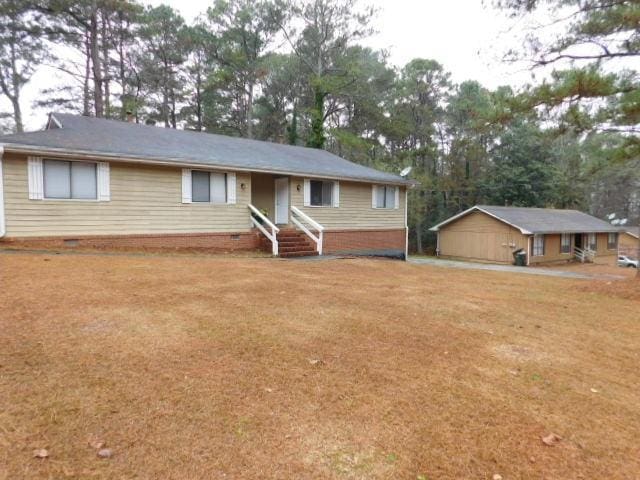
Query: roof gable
(539, 220)
(116, 139)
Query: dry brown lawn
(596, 269)
(240, 368)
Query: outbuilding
(544, 235)
(628, 243)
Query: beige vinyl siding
(144, 199)
(355, 210)
(479, 236)
(625, 240)
(263, 192)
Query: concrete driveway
(508, 268)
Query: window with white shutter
(385, 196)
(70, 180)
(201, 186)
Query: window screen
(612, 241)
(565, 243)
(538, 245)
(385, 197)
(218, 188)
(200, 186)
(70, 180)
(593, 241)
(83, 180)
(321, 193)
(57, 179)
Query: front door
(282, 201)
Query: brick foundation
(365, 241)
(219, 242)
(335, 241)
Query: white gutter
(177, 162)
(406, 225)
(3, 227)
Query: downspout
(406, 225)
(3, 229)
(529, 250)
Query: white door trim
(281, 216)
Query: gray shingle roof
(122, 139)
(541, 220)
(635, 231)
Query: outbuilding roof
(117, 140)
(539, 220)
(633, 231)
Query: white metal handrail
(273, 236)
(584, 255)
(296, 212)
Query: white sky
(468, 37)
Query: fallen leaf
(41, 453)
(551, 440)
(315, 361)
(105, 453)
(96, 443)
(593, 390)
(497, 476)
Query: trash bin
(520, 258)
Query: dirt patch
(518, 353)
(215, 367)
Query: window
(612, 241)
(70, 180)
(208, 187)
(321, 193)
(385, 196)
(565, 243)
(592, 241)
(538, 245)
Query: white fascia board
(478, 209)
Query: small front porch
(286, 230)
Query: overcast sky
(468, 37)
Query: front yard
(247, 368)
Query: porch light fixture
(242, 186)
(298, 187)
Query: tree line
(298, 72)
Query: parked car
(624, 261)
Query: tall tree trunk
(198, 100)
(316, 136)
(17, 112)
(87, 76)
(15, 83)
(121, 68)
(419, 248)
(249, 112)
(105, 64)
(174, 123)
(98, 99)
